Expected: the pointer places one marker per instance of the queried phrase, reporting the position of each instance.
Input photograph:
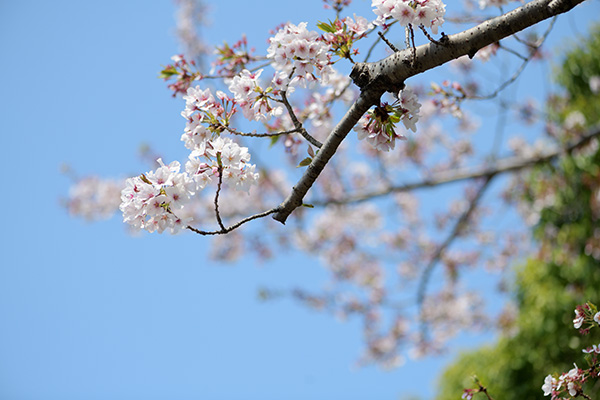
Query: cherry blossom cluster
(450, 95)
(586, 314)
(568, 382)
(254, 100)
(225, 159)
(212, 155)
(379, 126)
(201, 108)
(295, 49)
(341, 34)
(93, 198)
(571, 383)
(233, 59)
(429, 13)
(182, 71)
(153, 201)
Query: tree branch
(298, 124)
(389, 74)
(397, 68)
(234, 226)
(500, 166)
(366, 99)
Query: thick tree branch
(389, 74)
(395, 69)
(366, 99)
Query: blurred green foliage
(565, 273)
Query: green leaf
(307, 205)
(145, 180)
(305, 162)
(168, 72)
(326, 27)
(274, 140)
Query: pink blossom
(578, 321)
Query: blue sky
(89, 312)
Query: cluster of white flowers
(579, 318)
(200, 106)
(429, 13)
(359, 25)
(154, 201)
(202, 101)
(151, 201)
(251, 97)
(409, 103)
(571, 379)
(94, 198)
(295, 47)
(595, 349)
(221, 156)
(381, 132)
(378, 138)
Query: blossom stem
(297, 123)
(390, 44)
(219, 184)
(234, 226)
(236, 132)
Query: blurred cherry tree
(330, 143)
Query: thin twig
(297, 123)
(521, 67)
(220, 182)
(511, 51)
(234, 226)
(390, 44)
(431, 39)
(412, 41)
(483, 389)
(253, 134)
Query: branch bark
(389, 74)
(395, 69)
(366, 99)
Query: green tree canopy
(566, 271)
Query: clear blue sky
(88, 311)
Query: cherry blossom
(93, 198)
(253, 100)
(379, 126)
(429, 13)
(579, 318)
(296, 49)
(152, 201)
